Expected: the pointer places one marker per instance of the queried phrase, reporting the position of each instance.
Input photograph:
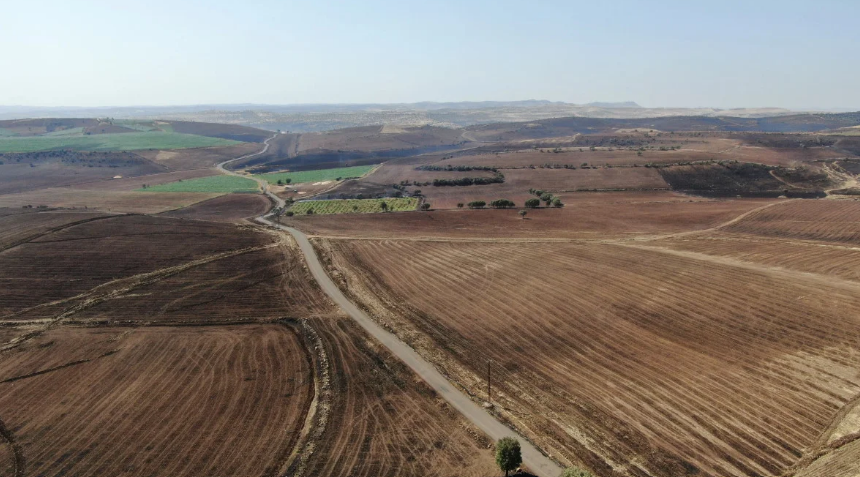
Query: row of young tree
(430, 167)
(496, 204)
(499, 178)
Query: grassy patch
(354, 206)
(111, 142)
(7, 133)
(318, 175)
(214, 184)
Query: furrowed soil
(386, 422)
(157, 401)
(79, 258)
(106, 201)
(829, 221)
(630, 361)
(234, 208)
(585, 215)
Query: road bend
(483, 420)
(532, 458)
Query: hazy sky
(660, 53)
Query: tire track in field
(117, 288)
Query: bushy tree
(523, 213)
(532, 203)
(459, 205)
(508, 456)
(477, 204)
(546, 197)
(556, 202)
(425, 206)
(384, 206)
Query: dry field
(824, 220)
(80, 258)
(633, 362)
(21, 225)
(106, 200)
(199, 158)
(157, 401)
(378, 138)
(22, 177)
(233, 208)
(135, 183)
(585, 216)
(386, 422)
(562, 182)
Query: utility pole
(489, 381)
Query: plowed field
(385, 422)
(831, 221)
(632, 362)
(156, 401)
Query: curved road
(532, 458)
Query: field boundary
(17, 453)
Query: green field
(353, 206)
(316, 176)
(216, 184)
(111, 142)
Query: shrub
(532, 203)
(502, 204)
(576, 472)
(477, 204)
(310, 212)
(425, 206)
(289, 213)
(459, 205)
(556, 202)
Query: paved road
(532, 458)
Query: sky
(754, 53)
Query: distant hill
(625, 104)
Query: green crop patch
(320, 175)
(214, 184)
(353, 206)
(111, 142)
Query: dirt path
(532, 458)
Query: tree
(477, 204)
(523, 213)
(556, 202)
(459, 205)
(508, 455)
(289, 213)
(280, 182)
(355, 208)
(532, 203)
(287, 180)
(547, 197)
(384, 206)
(310, 212)
(576, 472)
(425, 206)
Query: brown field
(134, 183)
(22, 225)
(105, 200)
(234, 208)
(157, 401)
(199, 158)
(630, 361)
(586, 215)
(378, 138)
(77, 259)
(224, 131)
(22, 177)
(826, 220)
(386, 422)
(561, 182)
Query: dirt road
(532, 458)
(263, 184)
